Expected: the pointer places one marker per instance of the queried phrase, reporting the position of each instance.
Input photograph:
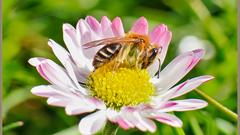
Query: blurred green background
(28, 24)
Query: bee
(132, 50)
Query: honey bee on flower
(115, 76)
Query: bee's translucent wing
(107, 41)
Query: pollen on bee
(121, 87)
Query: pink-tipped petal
(112, 115)
(64, 57)
(124, 123)
(117, 27)
(147, 123)
(92, 123)
(164, 42)
(140, 26)
(127, 115)
(58, 101)
(134, 116)
(85, 32)
(36, 61)
(47, 91)
(156, 34)
(59, 51)
(71, 40)
(183, 105)
(94, 24)
(69, 67)
(177, 69)
(106, 27)
(53, 72)
(99, 104)
(87, 35)
(185, 87)
(80, 108)
(161, 37)
(167, 119)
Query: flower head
(129, 97)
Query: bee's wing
(107, 41)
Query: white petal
(92, 123)
(177, 69)
(71, 73)
(59, 51)
(87, 35)
(48, 91)
(79, 108)
(134, 118)
(80, 72)
(94, 25)
(153, 68)
(147, 123)
(59, 101)
(112, 115)
(85, 31)
(36, 61)
(97, 103)
(70, 39)
(183, 105)
(52, 72)
(167, 119)
(185, 87)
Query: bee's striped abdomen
(105, 54)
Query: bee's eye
(154, 50)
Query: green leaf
(14, 98)
(69, 131)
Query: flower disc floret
(121, 87)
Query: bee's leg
(159, 68)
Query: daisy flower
(128, 97)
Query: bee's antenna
(83, 84)
(159, 68)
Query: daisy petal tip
(208, 78)
(117, 27)
(92, 123)
(50, 42)
(52, 101)
(199, 53)
(179, 125)
(67, 27)
(205, 104)
(89, 17)
(140, 26)
(34, 90)
(105, 19)
(117, 21)
(142, 18)
(32, 61)
(68, 111)
(35, 61)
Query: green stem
(110, 129)
(12, 126)
(228, 112)
(180, 131)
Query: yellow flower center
(120, 87)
